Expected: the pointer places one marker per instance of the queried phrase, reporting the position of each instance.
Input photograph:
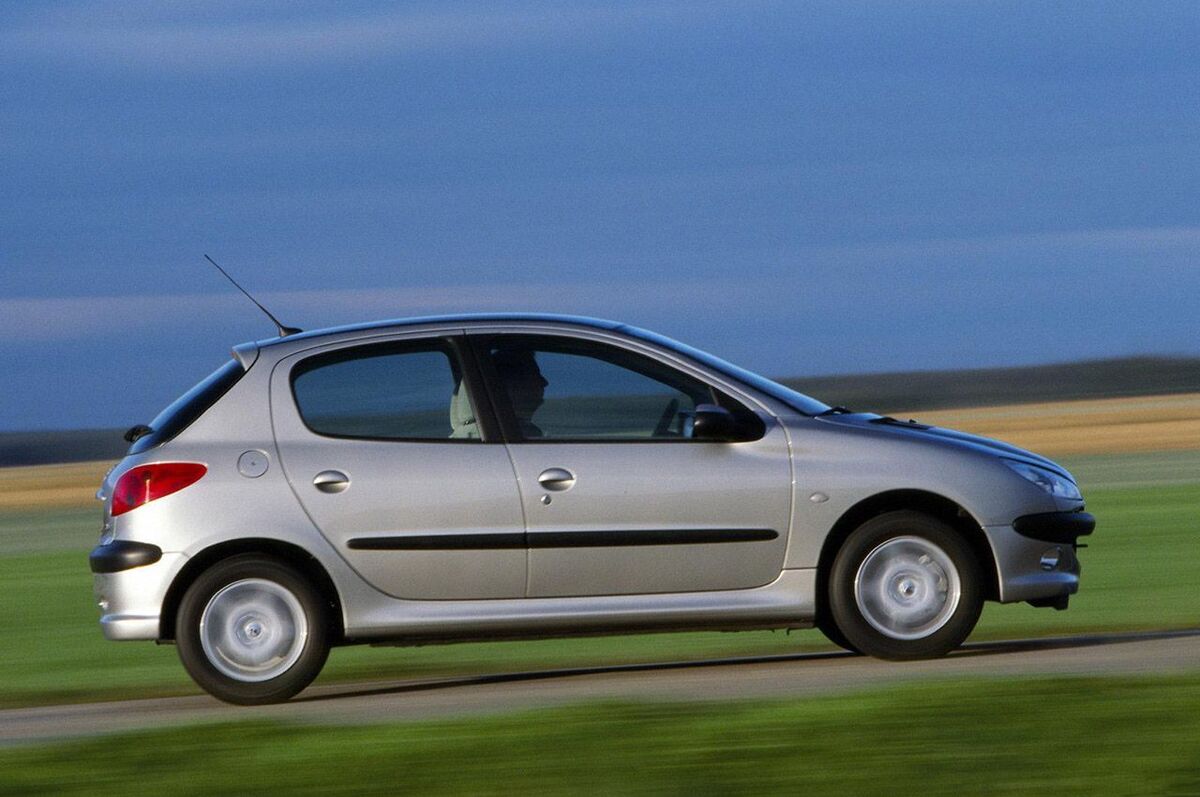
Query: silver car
(497, 477)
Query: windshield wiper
(910, 423)
(835, 411)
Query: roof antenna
(283, 331)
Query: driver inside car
(526, 387)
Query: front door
(382, 445)
(618, 497)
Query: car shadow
(336, 693)
(972, 649)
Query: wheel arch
(285, 552)
(937, 506)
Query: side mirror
(712, 422)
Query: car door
(383, 447)
(618, 498)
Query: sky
(801, 187)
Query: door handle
(331, 481)
(556, 479)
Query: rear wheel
(252, 630)
(905, 586)
(828, 627)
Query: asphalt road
(717, 679)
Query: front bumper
(1061, 527)
(1035, 557)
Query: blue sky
(801, 187)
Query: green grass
(25, 531)
(1156, 468)
(1139, 573)
(1078, 736)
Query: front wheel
(905, 586)
(252, 630)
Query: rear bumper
(131, 600)
(129, 627)
(121, 555)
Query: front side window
(565, 389)
(391, 391)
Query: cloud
(804, 281)
(184, 41)
(29, 320)
(1181, 240)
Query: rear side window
(386, 392)
(190, 406)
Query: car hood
(918, 431)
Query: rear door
(619, 499)
(383, 446)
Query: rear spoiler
(246, 354)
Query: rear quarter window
(186, 409)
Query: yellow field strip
(46, 486)
(1066, 428)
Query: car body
(512, 476)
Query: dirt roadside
(765, 677)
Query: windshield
(794, 399)
(188, 407)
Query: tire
(828, 627)
(252, 630)
(905, 586)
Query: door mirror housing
(713, 422)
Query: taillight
(146, 483)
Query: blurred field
(1067, 736)
(51, 486)
(1137, 460)
(1070, 428)
(1139, 571)
(1061, 429)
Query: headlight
(1053, 483)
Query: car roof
(473, 319)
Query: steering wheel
(663, 429)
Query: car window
(386, 391)
(558, 388)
